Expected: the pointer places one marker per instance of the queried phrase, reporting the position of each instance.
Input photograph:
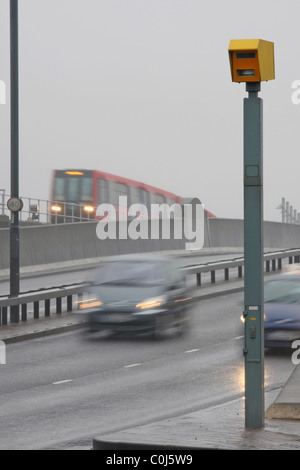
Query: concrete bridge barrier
(50, 244)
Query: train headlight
(88, 209)
(56, 208)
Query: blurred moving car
(137, 294)
(282, 309)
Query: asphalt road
(61, 391)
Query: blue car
(138, 294)
(282, 310)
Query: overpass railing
(63, 298)
(67, 298)
(37, 211)
(272, 262)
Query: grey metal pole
(253, 245)
(14, 226)
(283, 210)
(287, 212)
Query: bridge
(55, 262)
(63, 247)
(51, 246)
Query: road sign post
(252, 61)
(14, 106)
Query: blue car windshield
(132, 273)
(282, 290)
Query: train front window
(59, 189)
(73, 189)
(86, 189)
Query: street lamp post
(14, 93)
(252, 61)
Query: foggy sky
(142, 88)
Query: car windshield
(130, 273)
(282, 290)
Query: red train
(76, 194)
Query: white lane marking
(191, 351)
(62, 382)
(239, 337)
(132, 365)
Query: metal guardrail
(272, 261)
(44, 295)
(41, 211)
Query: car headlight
(151, 303)
(89, 303)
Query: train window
(123, 189)
(170, 202)
(134, 195)
(86, 189)
(159, 199)
(117, 190)
(144, 198)
(113, 196)
(152, 198)
(103, 192)
(73, 189)
(59, 189)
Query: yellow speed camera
(251, 60)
